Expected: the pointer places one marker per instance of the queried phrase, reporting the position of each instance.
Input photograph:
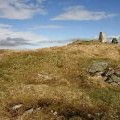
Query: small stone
(30, 111)
(55, 113)
(17, 106)
(39, 108)
(52, 111)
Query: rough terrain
(71, 82)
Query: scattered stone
(39, 108)
(102, 37)
(52, 111)
(16, 107)
(97, 68)
(115, 41)
(28, 112)
(55, 113)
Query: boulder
(115, 41)
(98, 68)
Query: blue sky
(38, 23)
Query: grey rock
(109, 80)
(115, 41)
(108, 72)
(113, 78)
(97, 68)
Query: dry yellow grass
(54, 83)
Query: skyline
(35, 23)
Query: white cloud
(32, 38)
(20, 9)
(5, 26)
(81, 13)
(11, 39)
(52, 26)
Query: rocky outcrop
(103, 69)
(97, 68)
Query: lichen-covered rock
(97, 68)
(115, 78)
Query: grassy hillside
(53, 83)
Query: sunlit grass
(71, 88)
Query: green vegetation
(56, 80)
